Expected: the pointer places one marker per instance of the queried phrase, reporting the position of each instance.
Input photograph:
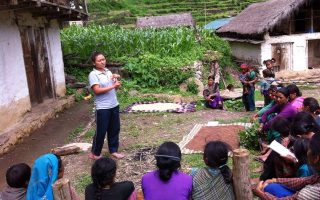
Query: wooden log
(61, 189)
(66, 150)
(241, 180)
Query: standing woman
(104, 85)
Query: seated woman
(306, 188)
(272, 95)
(45, 171)
(103, 174)
(167, 182)
(215, 180)
(211, 95)
(274, 165)
(283, 108)
(311, 105)
(304, 125)
(295, 97)
(300, 149)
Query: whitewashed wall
(246, 51)
(299, 46)
(14, 98)
(56, 58)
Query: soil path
(54, 133)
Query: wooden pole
(241, 180)
(61, 189)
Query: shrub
(192, 87)
(249, 137)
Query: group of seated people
(166, 182)
(294, 122)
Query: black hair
(300, 149)
(18, 175)
(273, 88)
(272, 60)
(312, 104)
(168, 159)
(210, 77)
(293, 89)
(282, 126)
(266, 73)
(314, 145)
(230, 86)
(304, 123)
(216, 156)
(103, 172)
(94, 55)
(59, 163)
(284, 91)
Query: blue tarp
(214, 25)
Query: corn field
(117, 42)
(153, 57)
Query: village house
(32, 68)
(287, 30)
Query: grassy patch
(81, 182)
(193, 160)
(258, 96)
(74, 133)
(89, 134)
(229, 121)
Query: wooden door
(36, 63)
(282, 52)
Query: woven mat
(201, 134)
(160, 107)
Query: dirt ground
(141, 134)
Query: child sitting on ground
(46, 170)
(17, 177)
(103, 174)
(167, 182)
(215, 180)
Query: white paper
(280, 149)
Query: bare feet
(117, 155)
(94, 157)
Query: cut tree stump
(61, 189)
(240, 171)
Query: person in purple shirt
(295, 97)
(167, 182)
(283, 108)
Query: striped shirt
(209, 184)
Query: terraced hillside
(125, 12)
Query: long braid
(103, 172)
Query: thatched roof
(184, 19)
(259, 18)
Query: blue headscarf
(44, 174)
